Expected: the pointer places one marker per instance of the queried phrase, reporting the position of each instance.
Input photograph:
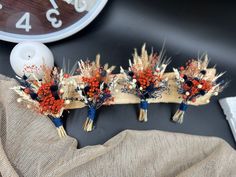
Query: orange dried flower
(47, 102)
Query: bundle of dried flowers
(47, 96)
(193, 82)
(144, 78)
(95, 87)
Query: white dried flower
(19, 100)
(199, 86)
(67, 102)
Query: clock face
(47, 20)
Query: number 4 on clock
(24, 22)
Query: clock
(47, 20)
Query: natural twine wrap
(30, 147)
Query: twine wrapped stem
(60, 129)
(179, 115)
(88, 125)
(143, 111)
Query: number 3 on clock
(24, 22)
(50, 15)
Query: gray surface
(188, 28)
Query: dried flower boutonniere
(95, 85)
(194, 82)
(144, 78)
(48, 96)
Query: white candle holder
(29, 57)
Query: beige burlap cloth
(30, 147)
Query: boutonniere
(193, 82)
(144, 78)
(95, 85)
(48, 95)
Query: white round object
(19, 100)
(67, 102)
(28, 57)
(134, 80)
(61, 91)
(199, 86)
(82, 86)
(187, 93)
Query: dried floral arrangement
(48, 95)
(193, 83)
(95, 85)
(144, 78)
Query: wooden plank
(170, 96)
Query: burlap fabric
(30, 147)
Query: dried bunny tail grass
(146, 61)
(22, 94)
(204, 62)
(86, 69)
(109, 70)
(219, 87)
(140, 62)
(144, 57)
(25, 99)
(97, 60)
(105, 66)
(47, 74)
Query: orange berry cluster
(93, 90)
(93, 84)
(48, 104)
(195, 87)
(145, 78)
